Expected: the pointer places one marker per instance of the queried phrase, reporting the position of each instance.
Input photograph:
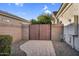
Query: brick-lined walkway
(63, 49)
(16, 48)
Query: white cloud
(19, 4)
(47, 12)
(45, 7)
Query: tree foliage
(42, 19)
(33, 21)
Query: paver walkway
(38, 48)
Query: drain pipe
(74, 36)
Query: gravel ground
(63, 49)
(16, 51)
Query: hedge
(5, 45)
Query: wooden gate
(40, 32)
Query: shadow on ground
(16, 51)
(63, 49)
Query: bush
(5, 45)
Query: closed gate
(40, 32)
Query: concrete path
(63, 49)
(38, 48)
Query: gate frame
(39, 30)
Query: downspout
(75, 29)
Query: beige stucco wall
(69, 30)
(14, 28)
(54, 20)
(69, 14)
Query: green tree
(33, 21)
(44, 19)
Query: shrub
(5, 44)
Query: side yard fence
(18, 32)
(21, 31)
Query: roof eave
(63, 6)
(12, 16)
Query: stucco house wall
(14, 27)
(69, 30)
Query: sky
(29, 11)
